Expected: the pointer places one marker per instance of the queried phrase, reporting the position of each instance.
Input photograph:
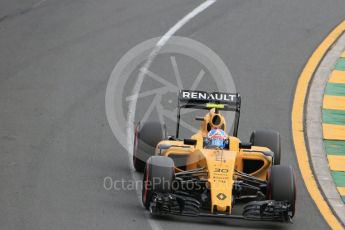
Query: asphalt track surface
(56, 57)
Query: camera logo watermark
(140, 89)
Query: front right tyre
(146, 137)
(159, 175)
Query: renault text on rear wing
(201, 99)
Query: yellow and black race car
(208, 173)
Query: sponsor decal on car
(204, 96)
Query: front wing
(173, 204)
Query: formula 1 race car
(209, 173)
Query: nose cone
(221, 165)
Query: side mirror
(245, 145)
(189, 141)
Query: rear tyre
(146, 137)
(269, 139)
(159, 175)
(282, 185)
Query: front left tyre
(282, 185)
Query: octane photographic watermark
(111, 184)
(145, 82)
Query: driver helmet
(216, 138)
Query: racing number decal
(221, 175)
(219, 170)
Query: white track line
(136, 90)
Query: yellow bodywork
(220, 164)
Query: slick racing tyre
(146, 137)
(269, 139)
(282, 185)
(159, 175)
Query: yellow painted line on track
(337, 76)
(341, 190)
(298, 127)
(336, 163)
(333, 132)
(333, 102)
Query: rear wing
(203, 100)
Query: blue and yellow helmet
(216, 138)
